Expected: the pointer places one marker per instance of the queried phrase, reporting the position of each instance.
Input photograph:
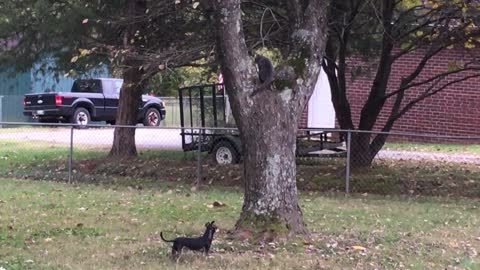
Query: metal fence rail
(398, 168)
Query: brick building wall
(453, 111)
(303, 121)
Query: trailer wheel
(225, 153)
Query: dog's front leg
(176, 252)
(205, 250)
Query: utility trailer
(207, 106)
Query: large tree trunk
(360, 149)
(130, 100)
(268, 120)
(269, 141)
(131, 93)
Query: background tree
(138, 37)
(383, 32)
(166, 84)
(57, 30)
(155, 36)
(268, 120)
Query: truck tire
(225, 153)
(152, 118)
(81, 117)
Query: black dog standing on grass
(193, 243)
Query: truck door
(91, 90)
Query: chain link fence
(328, 160)
(415, 164)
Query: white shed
(321, 113)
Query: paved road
(103, 137)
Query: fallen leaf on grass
(218, 204)
(359, 248)
(454, 244)
(332, 244)
(30, 241)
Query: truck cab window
(87, 86)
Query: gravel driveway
(439, 156)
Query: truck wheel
(152, 118)
(81, 117)
(225, 153)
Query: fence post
(70, 158)
(199, 158)
(1, 111)
(347, 176)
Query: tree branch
(429, 93)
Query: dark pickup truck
(89, 100)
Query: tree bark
(131, 93)
(361, 153)
(362, 149)
(129, 102)
(268, 121)
(269, 141)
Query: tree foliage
(138, 38)
(167, 83)
(39, 29)
(383, 32)
(81, 34)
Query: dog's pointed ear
(211, 223)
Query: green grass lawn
(112, 216)
(50, 225)
(15, 153)
(434, 147)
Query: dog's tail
(161, 236)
